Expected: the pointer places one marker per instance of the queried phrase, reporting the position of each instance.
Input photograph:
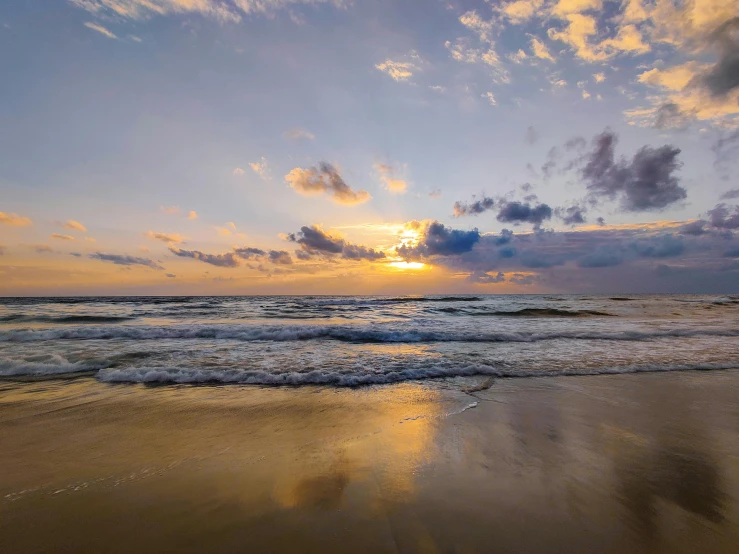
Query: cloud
(229, 259)
(540, 50)
(237, 172)
(260, 168)
(473, 208)
(100, 29)
(485, 278)
(490, 98)
(531, 136)
(314, 241)
(645, 183)
(74, 226)
(75, 254)
(519, 212)
(62, 237)
(171, 210)
(389, 178)
(438, 240)
(436, 193)
(90, 239)
(398, 71)
(723, 77)
(42, 248)
(14, 220)
(299, 134)
(603, 256)
(662, 246)
(249, 253)
(669, 117)
(192, 215)
(170, 275)
(280, 257)
(172, 238)
(599, 77)
(571, 215)
(521, 11)
(730, 194)
(223, 11)
(325, 178)
(722, 217)
(125, 260)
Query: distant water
(346, 341)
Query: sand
(620, 463)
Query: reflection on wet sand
(635, 463)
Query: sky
(355, 147)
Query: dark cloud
(75, 254)
(357, 252)
(280, 257)
(604, 256)
(722, 217)
(645, 183)
(536, 259)
(670, 117)
(732, 252)
(483, 278)
(325, 178)
(170, 275)
(518, 212)
(505, 237)
(523, 279)
(439, 240)
(663, 246)
(730, 194)
(125, 260)
(473, 208)
(573, 215)
(723, 77)
(553, 157)
(726, 150)
(248, 253)
(601, 221)
(531, 136)
(314, 241)
(229, 259)
(694, 228)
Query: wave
(527, 312)
(71, 319)
(52, 364)
(168, 375)
(347, 333)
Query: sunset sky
(353, 147)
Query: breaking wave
(168, 375)
(348, 333)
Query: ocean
(362, 340)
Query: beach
(645, 462)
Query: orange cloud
(14, 220)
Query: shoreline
(634, 462)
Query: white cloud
(540, 50)
(14, 220)
(490, 98)
(100, 29)
(398, 71)
(298, 134)
(260, 168)
(389, 178)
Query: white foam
(357, 378)
(53, 364)
(351, 333)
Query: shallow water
(349, 341)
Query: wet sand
(620, 463)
